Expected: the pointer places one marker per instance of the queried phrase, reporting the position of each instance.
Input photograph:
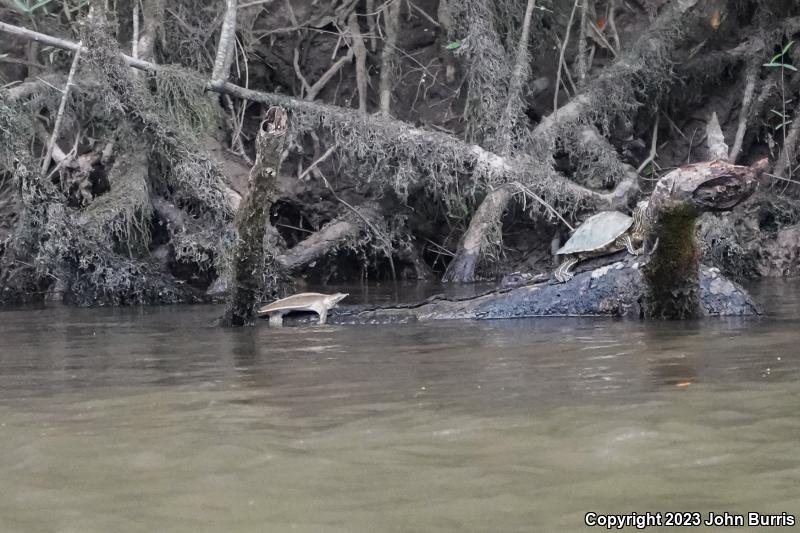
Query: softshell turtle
(306, 301)
(602, 234)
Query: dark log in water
(613, 290)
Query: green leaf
(455, 45)
(772, 64)
(786, 48)
(790, 67)
(779, 126)
(777, 113)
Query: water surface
(143, 420)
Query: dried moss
(195, 177)
(488, 65)
(179, 94)
(121, 217)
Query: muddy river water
(156, 420)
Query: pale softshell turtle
(601, 234)
(306, 301)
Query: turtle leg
(276, 320)
(562, 273)
(627, 242)
(321, 310)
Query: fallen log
(615, 290)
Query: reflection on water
(131, 420)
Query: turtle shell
(597, 232)
(296, 302)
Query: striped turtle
(605, 233)
(306, 301)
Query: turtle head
(640, 220)
(334, 299)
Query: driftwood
(252, 219)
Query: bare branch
(653, 146)
(581, 67)
(222, 63)
(561, 57)
(747, 100)
(788, 155)
(61, 108)
(519, 78)
(392, 21)
(360, 51)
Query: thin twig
(255, 3)
(441, 249)
(323, 80)
(527, 192)
(61, 108)
(785, 162)
(316, 162)
(386, 242)
(747, 100)
(653, 146)
(782, 178)
(295, 228)
(611, 23)
(424, 14)
(561, 58)
(674, 126)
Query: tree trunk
(462, 268)
(392, 23)
(252, 219)
(672, 276)
(226, 45)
